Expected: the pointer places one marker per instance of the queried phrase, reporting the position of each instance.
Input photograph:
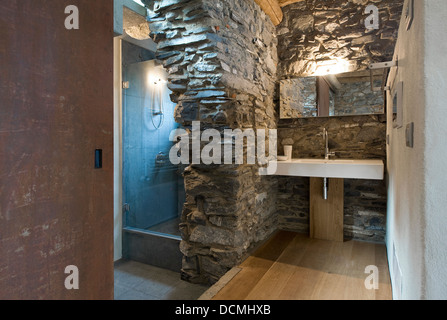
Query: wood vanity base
(326, 216)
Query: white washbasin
(321, 168)
(321, 161)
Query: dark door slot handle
(98, 159)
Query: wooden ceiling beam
(283, 3)
(272, 9)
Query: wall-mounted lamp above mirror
(344, 94)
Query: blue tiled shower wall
(153, 187)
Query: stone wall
(221, 59)
(357, 98)
(298, 98)
(316, 31)
(313, 33)
(360, 137)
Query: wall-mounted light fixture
(155, 80)
(381, 65)
(329, 67)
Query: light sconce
(336, 66)
(154, 80)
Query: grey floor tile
(135, 295)
(137, 281)
(129, 279)
(156, 287)
(185, 293)
(120, 290)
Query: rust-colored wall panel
(56, 108)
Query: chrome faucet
(327, 153)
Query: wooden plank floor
(292, 266)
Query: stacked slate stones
(221, 59)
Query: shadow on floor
(137, 281)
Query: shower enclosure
(153, 190)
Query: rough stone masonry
(314, 31)
(221, 58)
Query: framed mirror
(345, 94)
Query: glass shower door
(153, 190)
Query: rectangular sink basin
(323, 161)
(337, 168)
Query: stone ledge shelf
(320, 168)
